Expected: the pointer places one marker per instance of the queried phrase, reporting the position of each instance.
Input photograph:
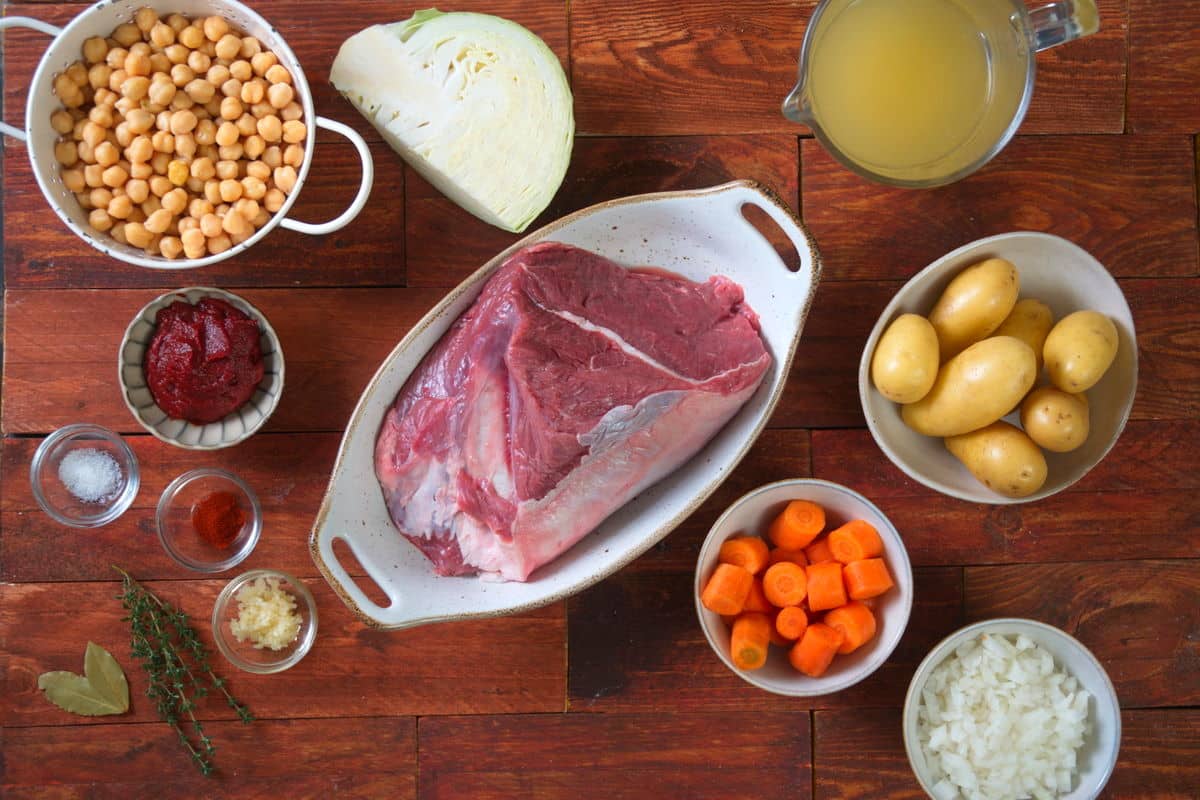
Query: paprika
(218, 519)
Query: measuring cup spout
(795, 105)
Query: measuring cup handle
(364, 189)
(1055, 23)
(37, 25)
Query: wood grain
(1128, 200)
(1164, 66)
(619, 664)
(1152, 658)
(861, 754)
(355, 758)
(619, 756)
(446, 244)
(507, 665)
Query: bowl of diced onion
(1010, 708)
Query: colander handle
(364, 189)
(37, 25)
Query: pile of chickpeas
(181, 137)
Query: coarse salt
(92, 475)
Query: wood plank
(1164, 66)
(357, 758)
(621, 664)
(822, 390)
(631, 756)
(717, 67)
(860, 753)
(52, 381)
(446, 244)
(1129, 200)
(1139, 618)
(506, 665)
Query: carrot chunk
(813, 654)
(749, 639)
(785, 584)
(747, 552)
(867, 578)
(791, 622)
(778, 554)
(825, 587)
(776, 637)
(725, 593)
(818, 552)
(855, 541)
(756, 600)
(856, 622)
(800, 523)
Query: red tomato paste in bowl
(204, 361)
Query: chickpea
(177, 172)
(214, 27)
(183, 122)
(209, 49)
(137, 234)
(250, 47)
(137, 64)
(115, 58)
(100, 115)
(262, 218)
(100, 197)
(118, 232)
(85, 201)
(203, 168)
(140, 171)
(150, 205)
(159, 63)
(110, 100)
(194, 243)
(120, 207)
(285, 178)
(86, 152)
(232, 88)
(257, 169)
(253, 91)
(78, 74)
(241, 70)
(163, 142)
(62, 122)
(294, 132)
(145, 19)
(63, 85)
(219, 244)
(182, 75)
(247, 208)
(162, 92)
(210, 225)
(177, 55)
(191, 37)
(100, 220)
(217, 74)
(206, 132)
(115, 175)
(247, 125)
(95, 49)
(226, 134)
(194, 185)
(254, 146)
(160, 185)
(67, 153)
(234, 223)
(93, 134)
(170, 247)
(212, 191)
(135, 88)
(231, 108)
(213, 107)
(158, 221)
(122, 134)
(137, 190)
(181, 101)
(177, 22)
(227, 170)
(198, 207)
(117, 77)
(199, 61)
(98, 76)
(270, 128)
(139, 121)
(254, 189)
(229, 47)
(175, 201)
(140, 150)
(125, 105)
(273, 157)
(233, 152)
(73, 180)
(273, 200)
(280, 94)
(162, 35)
(106, 156)
(293, 111)
(93, 175)
(261, 62)
(185, 146)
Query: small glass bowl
(261, 660)
(180, 538)
(58, 501)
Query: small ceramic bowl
(234, 428)
(1097, 757)
(178, 534)
(751, 515)
(69, 491)
(244, 655)
(1066, 278)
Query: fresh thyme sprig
(164, 642)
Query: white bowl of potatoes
(1002, 372)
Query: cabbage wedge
(477, 104)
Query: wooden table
(614, 693)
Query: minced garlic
(266, 615)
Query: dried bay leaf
(103, 691)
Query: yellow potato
(1002, 458)
(974, 304)
(1030, 321)
(975, 388)
(1079, 350)
(1054, 419)
(905, 362)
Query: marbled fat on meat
(568, 387)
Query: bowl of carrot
(803, 587)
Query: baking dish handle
(37, 25)
(749, 192)
(328, 562)
(364, 189)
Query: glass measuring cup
(925, 92)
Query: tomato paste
(204, 361)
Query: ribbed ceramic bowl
(235, 427)
(751, 515)
(1102, 742)
(1063, 276)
